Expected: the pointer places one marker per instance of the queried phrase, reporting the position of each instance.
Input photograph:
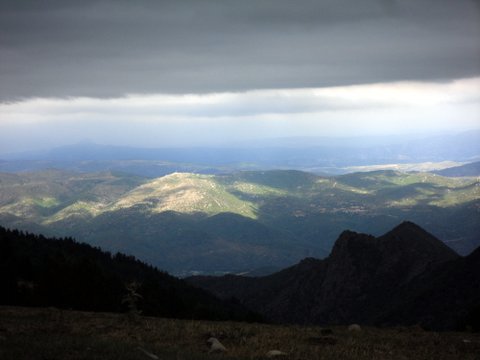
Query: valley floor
(33, 333)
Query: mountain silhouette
(404, 277)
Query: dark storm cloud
(111, 48)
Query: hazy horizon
(229, 118)
(285, 142)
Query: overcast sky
(156, 72)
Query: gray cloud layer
(111, 48)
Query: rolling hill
(187, 223)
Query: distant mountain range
(191, 223)
(405, 277)
(319, 155)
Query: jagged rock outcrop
(406, 276)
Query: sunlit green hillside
(274, 217)
(186, 193)
(53, 194)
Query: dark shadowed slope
(446, 297)
(368, 280)
(471, 169)
(36, 271)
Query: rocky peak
(411, 243)
(351, 244)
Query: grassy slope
(28, 333)
(185, 193)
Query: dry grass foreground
(51, 334)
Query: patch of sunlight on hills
(48, 200)
(26, 206)
(256, 189)
(82, 209)
(186, 193)
(434, 190)
(459, 196)
(325, 184)
(439, 181)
